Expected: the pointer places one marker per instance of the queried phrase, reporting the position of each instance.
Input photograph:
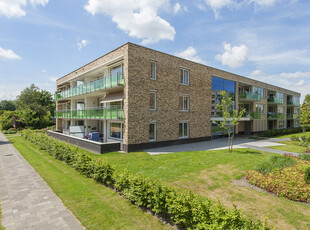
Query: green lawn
(208, 173)
(290, 146)
(295, 134)
(96, 206)
(1, 227)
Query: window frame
(109, 130)
(155, 70)
(155, 133)
(155, 99)
(258, 106)
(183, 122)
(184, 110)
(182, 82)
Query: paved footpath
(27, 202)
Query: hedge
(280, 132)
(186, 210)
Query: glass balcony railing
(293, 103)
(289, 116)
(273, 115)
(110, 113)
(249, 96)
(252, 115)
(276, 100)
(103, 83)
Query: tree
(35, 107)
(230, 116)
(307, 99)
(7, 105)
(304, 115)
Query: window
(259, 91)
(280, 95)
(184, 76)
(260, 108)
(153, 70)
(152, 131)
(183, 129)
(152, 100)
(280, 109)
(297, 110)
(184, 103)
(281, 124)
(116, 130)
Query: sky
(267, 40)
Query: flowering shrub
(288, 182)
(186, 210)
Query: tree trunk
(232, 143)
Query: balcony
(101, 84)
(252, 115)
(275, 100)
(109, 113)
(289, 116)
(293, 103)
(273, 115)
(249, 96)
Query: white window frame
(184, 95)
(259, 106)
(155, 71)
(155, 133)
(155, 99)
(183, 70)
(109, 130)
(183, 122)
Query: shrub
(307, 150)
(307, 175)
(4, 131)
(305, 157)
(186, 210)
(275, 162)
(295, 138)
(305, 138)
(279, 132)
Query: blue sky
(42, 40)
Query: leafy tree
(307, 99)
(7, 105)
(9, 119)
(230, 116)
(304, 115)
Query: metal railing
(100, 84)
(109, 113)
(249, 96)
(273, 115)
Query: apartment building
(145, 98)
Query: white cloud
(176, 8)
(39, 2)
(14, 8)
(295, 75)
(300, 83)
(53, 79)
(43, 70)
(264, 3)
(216, 5)
(8, 93)
(137, 18)
(82, 44)
(233, 57)
(190, 54)
(8, 54)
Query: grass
(275, 162)
(96, 206)
(289, 146)
(1, 227)
(210, 174)
(294, 134)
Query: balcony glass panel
(249, 96)
(112, 81)
(273, 115)
(275, 100)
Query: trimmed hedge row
(182, 209)
(280, 132)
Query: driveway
(222, 143)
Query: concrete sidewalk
(222, 143)
(27, 202)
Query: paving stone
(26, 200)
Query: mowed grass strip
(96, 206)
(289, 146)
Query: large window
(184, 76)
(184, 103)
(116, 130)
(152, 131)
(183, 129)
(117, 70)
(152, 100)
(280, 95)
(260, 108)
(297, 110)
(280, 109)
(219, 85)
(153, 70)
(281, 124)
